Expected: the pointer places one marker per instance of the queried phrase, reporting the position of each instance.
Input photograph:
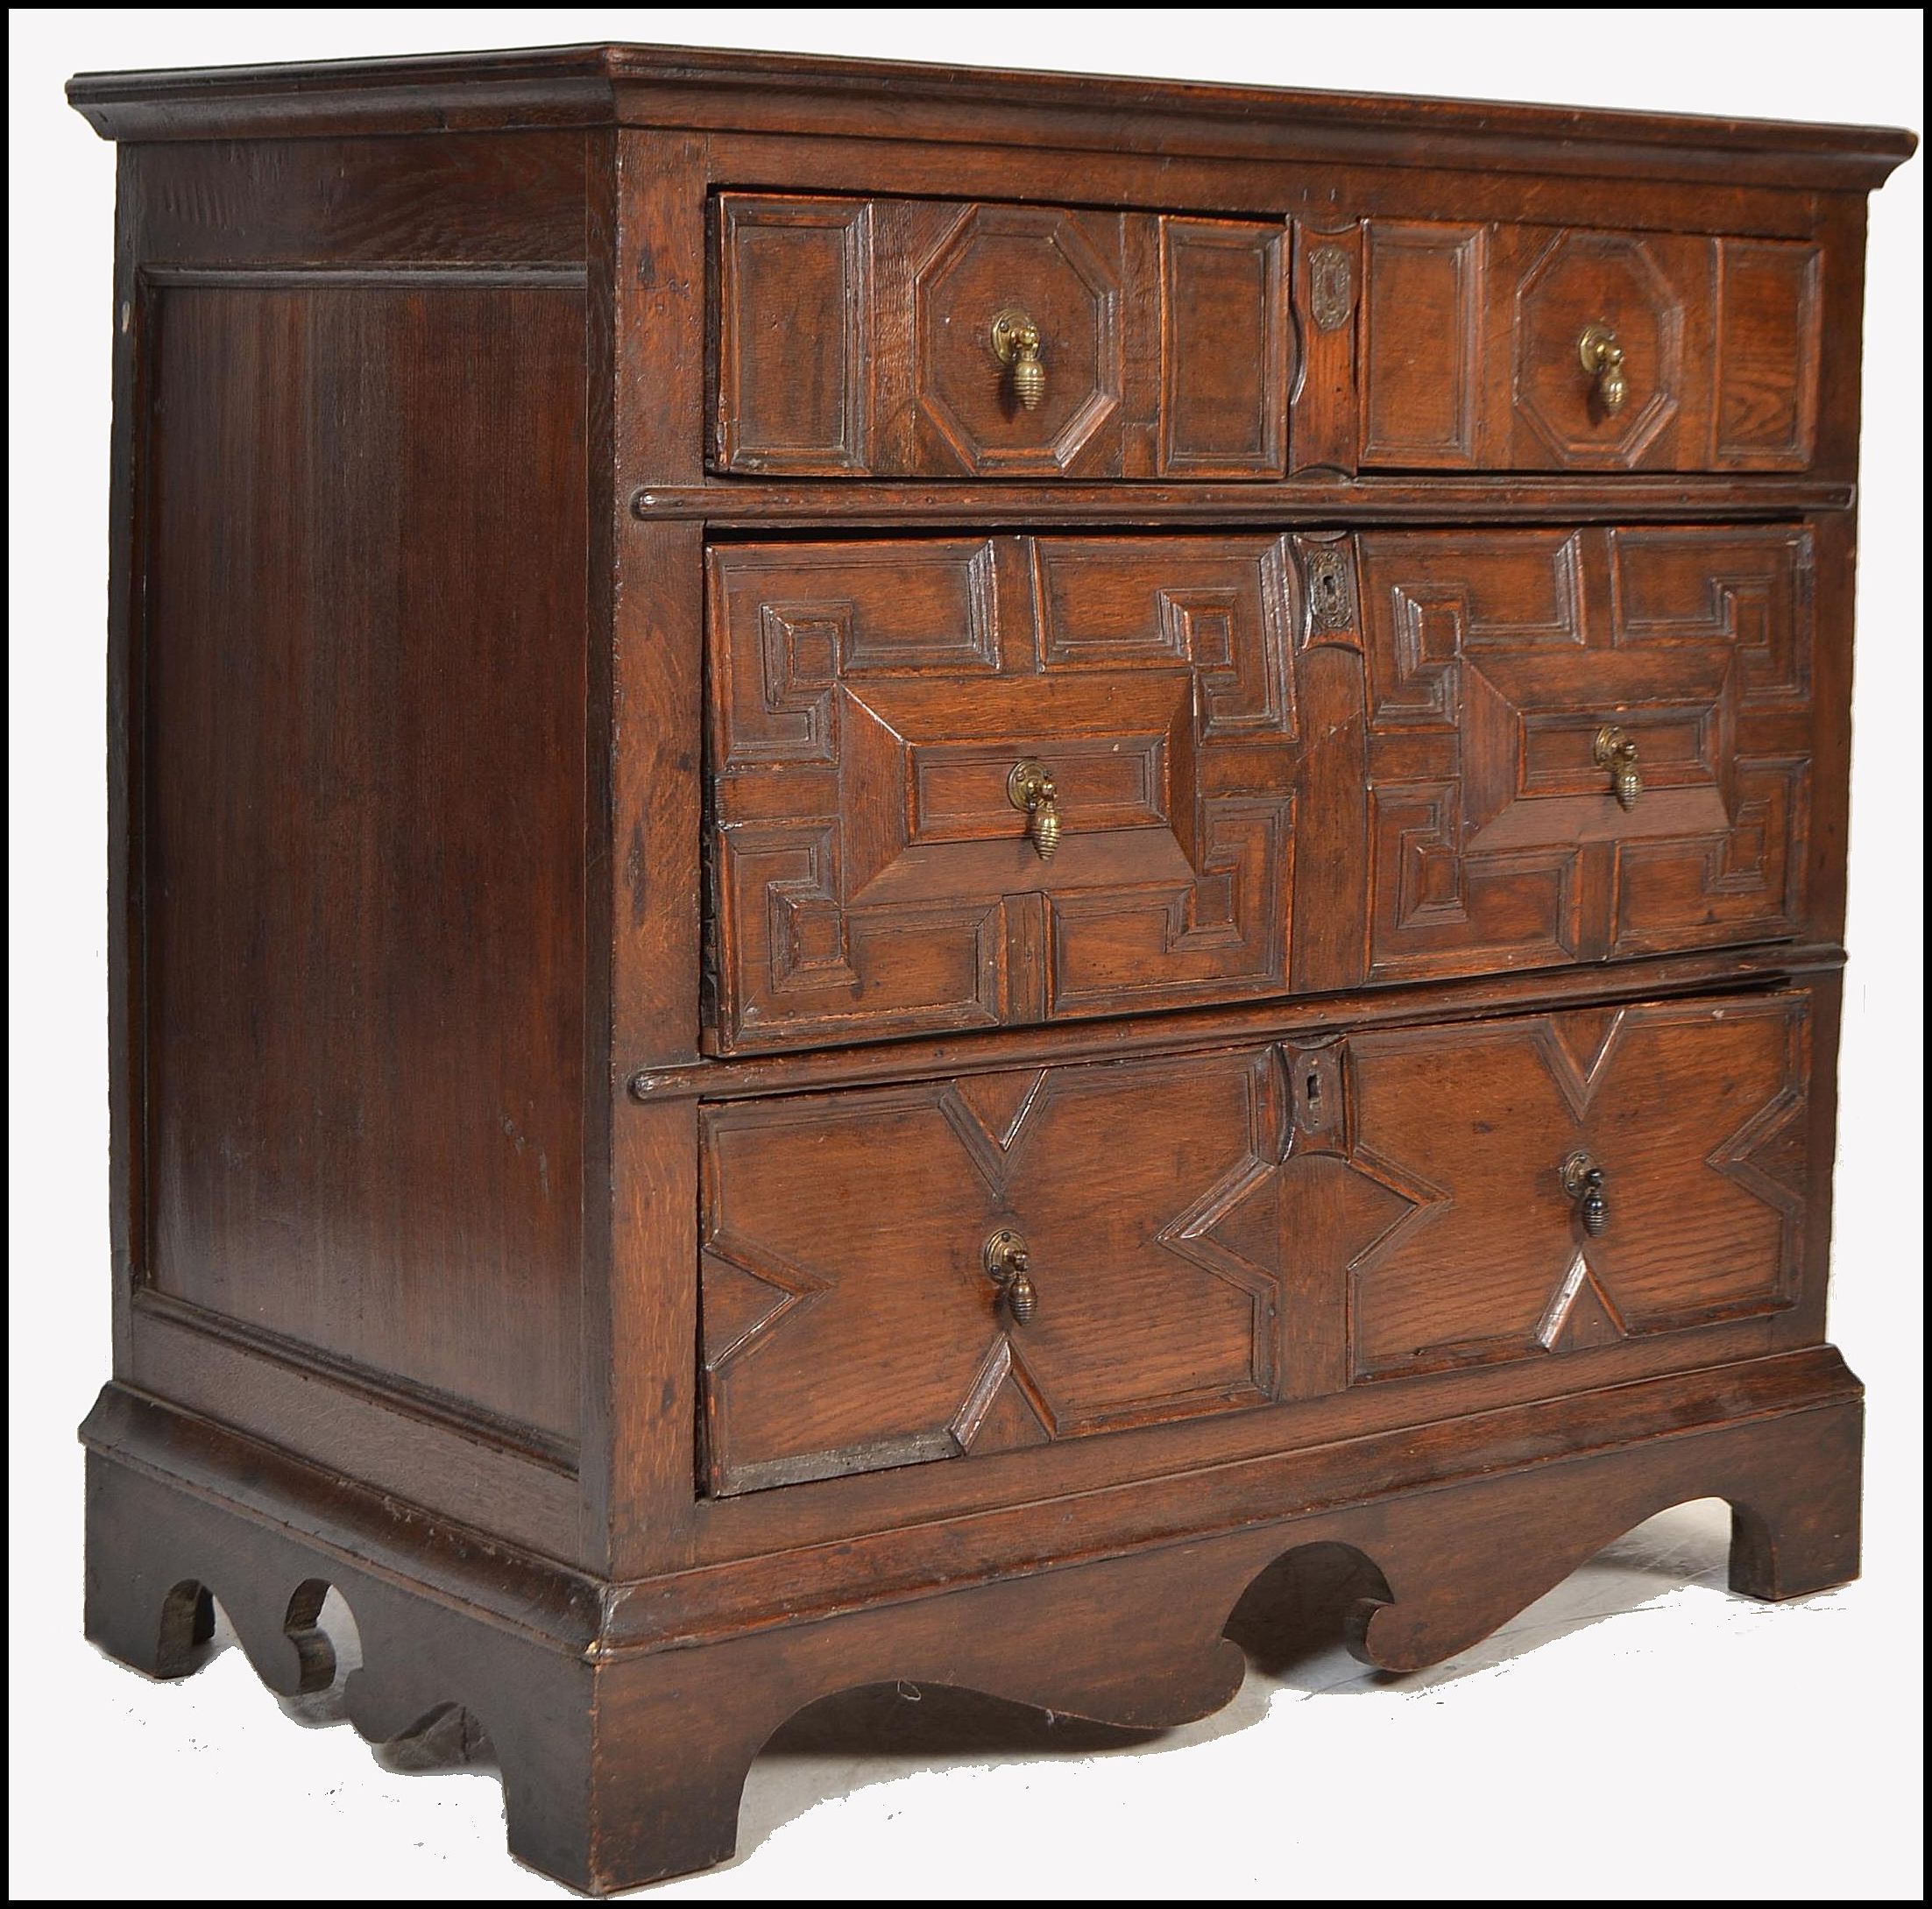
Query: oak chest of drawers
(877, 908)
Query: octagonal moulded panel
(1585, 279)
(1038, 261)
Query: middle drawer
(976, 781)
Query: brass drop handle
(1602, 357)
(1004, 1257)
(1616, 750)
(1029, 788)
(1017, 345)
(1583, 1182)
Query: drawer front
(1693, 1112)
(1211, 1232)
(849, 1320)
(871, 705)
(1540, 348)
(1496, 660)
(862, 337)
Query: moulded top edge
(716, 90)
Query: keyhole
(1314, 1089)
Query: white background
(1637, 1732)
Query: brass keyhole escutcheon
(1030, 788)
(1583, 1182)
(1601, 355)
(1017, 345)
(1005, 1260)
(1615, 749)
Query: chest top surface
(701, 87)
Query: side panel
(364, 801)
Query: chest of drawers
(904, 860)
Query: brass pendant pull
(1583, 1182)
(1602, 357)
(1029, 786)
(1017, 345)
(1004, 1257)
(1616, 750)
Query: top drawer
(1546, 348)
(936, 338)
(906, 337)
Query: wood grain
(1354, 1189)
(870, 704)
(1469, 348)
(855, 338)
(465, 198)
(1695, 1112)
(829, 1349)
(1494, 659)
(1225, 372)
(364, 769)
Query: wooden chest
(876, 909)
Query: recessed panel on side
(362, 824)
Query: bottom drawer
(1214, 1231)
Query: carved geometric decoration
(1498, 1267)
(805, 410)
(1284, 1247)
(1475, 351)
(1578, 1318)
(833, 1347)
(855, 337)
(1769, 295)
(746, 1295)
(1495, 835)
(801, 646)
(1584, 279)
(1422, 344)
(1004, 1410)
(1577, 1043)
(1224, 359)
(1353, 1205)
(1194, 1236)
(1241, 1232)
(1769, 1152)
(998, 1103)
(872, 876)
(1219, 606)
(1769, 1156)
(981, 266)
